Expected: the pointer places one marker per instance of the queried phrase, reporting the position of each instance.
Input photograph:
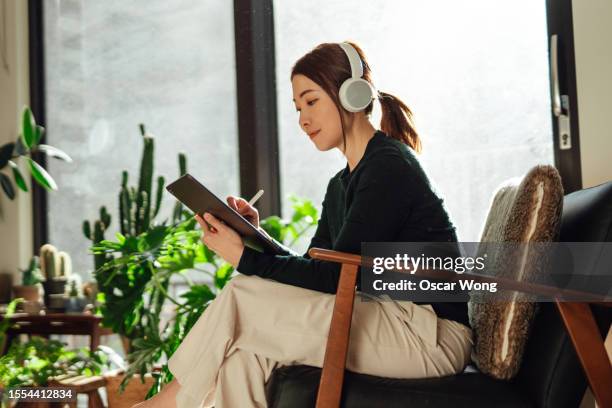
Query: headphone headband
(354, 59)
(355, 93)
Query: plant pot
(55, 302)
(30, 293)
(134, 393)
(31, 308)
(54, 287)
(74, 304)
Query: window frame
(257, 111)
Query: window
(478, 87)
(111, 65)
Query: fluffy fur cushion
(527, 210)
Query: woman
(277, 312)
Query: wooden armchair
(577, 317)
(565, 343)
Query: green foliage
(32, 275)
(27, 143)
(136, 206)
(305, 216)
(136, 211)
(97, 235)
(34, 362)
(5, 323)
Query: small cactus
(32, 275)
(49, 261)
(97, 235)
(54, 264)
(64, 265)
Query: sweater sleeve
(376, 213)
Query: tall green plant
(136, 212)
(26, 145)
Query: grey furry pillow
(528, 211)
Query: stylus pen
(253, 200)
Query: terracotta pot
(134, 393)
(30, 293)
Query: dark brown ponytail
(397, 121)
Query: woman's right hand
(245, 209)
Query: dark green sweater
(386, 198)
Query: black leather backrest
(551, 374)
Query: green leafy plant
(6, 320)
(32, 275)
(27, 143)
(34, 362)
(137, 211)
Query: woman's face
(318, 115)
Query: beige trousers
(256, 325)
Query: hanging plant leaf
(19, 180)
(28, 128)
(7, 186)
(38, 134)
(41, 176)
(6, 151)
(55, 152)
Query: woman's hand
(220, 238)
(245, 209)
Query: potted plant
(120, 289)
(56, 267)
(29, 289)
(74, 301)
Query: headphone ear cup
(356, 94)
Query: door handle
(560, 103)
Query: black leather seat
(550, 375)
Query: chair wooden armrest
(577, 318)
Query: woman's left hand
(223, 240)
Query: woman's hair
(328, 66)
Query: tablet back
(199, 199)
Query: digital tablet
(199, 199)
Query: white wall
(15, 216)
(593, 52)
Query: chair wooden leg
(94, 400)
(332, 375)
(589, 345)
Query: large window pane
(478, 87)
(111, 65)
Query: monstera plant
(22, 149)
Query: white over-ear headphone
(355, 93)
